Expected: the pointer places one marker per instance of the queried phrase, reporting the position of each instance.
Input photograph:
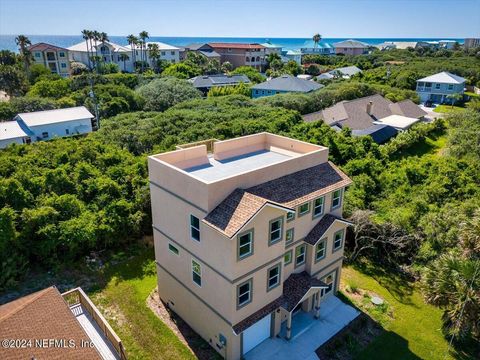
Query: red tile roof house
(241, 54)
(52, 57)
(51, 325)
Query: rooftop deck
(219, 169)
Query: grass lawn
(122, 302)
(413, 328)
(445, 109)
(431, 145)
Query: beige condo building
(248, 232)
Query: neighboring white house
(167, 52)
(292, 55)
(343, 72)
(12, 133)
(45, 125)
(438, 88)
(108, 51)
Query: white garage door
(256, 333)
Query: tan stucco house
(248, 232)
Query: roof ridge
(51, 110)
(34, 297)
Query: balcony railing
(78, 297)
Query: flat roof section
(219, 169)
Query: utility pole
(95, 104)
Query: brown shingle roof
(287, 191)
(294, 289)
(42, 315)
(407, 108)
(45, 46)
(353, 113)
(318, 230)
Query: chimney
(369, 107)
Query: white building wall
(75, 127)
(6, 142)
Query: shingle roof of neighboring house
(43, 315)
(288, 83)
(294, 289)
(195, 46)
(407, 108)
(11, 130)
(55, 116)
(444, 77)
(379, 133)
(351, 44)
(236, 45)
(322, 226)
(353, 113)
(204, 81)
(209, 53)
(347, 70)
(44, 46)
(287, 191)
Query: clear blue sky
(245, 18)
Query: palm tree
(154, 54)
(132, 41)
(454, 98)
(316, 39)
(23, 42)
(452, 282)
(96, 38)
(143, 37)
(86, 37)
(124, 57)
(103, 38)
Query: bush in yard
(160, 94)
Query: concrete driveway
(431, 115)
(307, 333)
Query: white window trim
(272, 240)
(342, 232)
(315, 207)
(193, 272)
(322, 241)
(249, 291)
(297, 264)
(278, 276)
(339, 199)
(250, 253)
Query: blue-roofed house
(322, 48)
(295, 55)
(284, 84)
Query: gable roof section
(287, 191)
(347, 70)
(37, 118)
(294, 289)
(218, 80)
(322, 226)
(45, 46)
(351, 44)
(407, 108)
(443, 77)
(288, 83)
(43, 315)
(11, 130)
(82, 46)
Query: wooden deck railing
(208, 143)
(77, 296)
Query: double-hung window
(273, 277)
(244, 293)
(330, 281)
(287, 259)
(289, 235)
(304, 209)
(276, 229)
(245, 244)
(318, 206)
(337, 240)
(450, 87)
(290, 214)
(196, 273)
(320, 249)
(300, 255)
(195, 228)
(336, 198)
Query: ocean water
(8, 41)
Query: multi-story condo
(167, 52)
(471, 43)
(248, 232)
(52, 57)
(439, 88)
(241, 54)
